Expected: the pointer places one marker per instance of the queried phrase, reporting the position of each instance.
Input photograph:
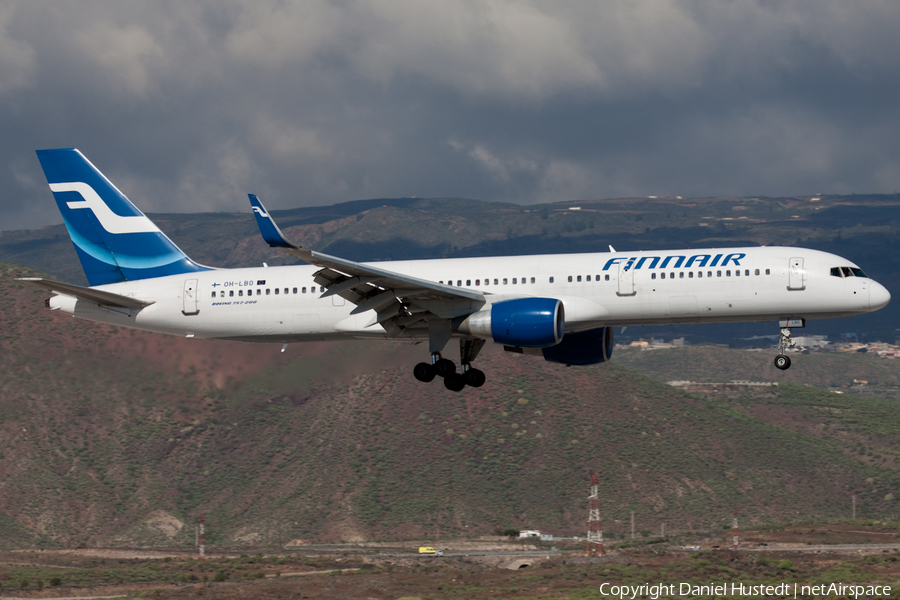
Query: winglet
(267, 226)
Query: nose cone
(878, 296)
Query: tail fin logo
(109, 220)
(261, 212)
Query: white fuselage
(284, 304)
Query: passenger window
(295, 290)
(477, 282)
(691, 275)
(681, 275)
(756, 272)
(468, 282)
(737, 273)
(728, 273)
(606, 277)
(514, 281)
(532, 280)
(213, 294)
(767, 271)
(496, 282)
(671, 275)
(570, 279)
(551, 280)
(268, 291)
(700, 274)
(709, 273)
(231, 293)
(718, 273)
(579, 278)
(746, 272)
(304, 290)
(240, 292)
(504, 281)
(662, 275)
(259, 292)
(285, 290)
(587, 278)
(276, 291)
(653, 276)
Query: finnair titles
(562, 307)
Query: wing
(399, 301)
(90, 294)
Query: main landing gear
(783, 361)
(443, 367)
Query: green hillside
(117, 437)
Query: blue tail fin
(114, 240)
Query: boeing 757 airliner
(562, 306)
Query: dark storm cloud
(187, 106)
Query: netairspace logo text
(734, 590)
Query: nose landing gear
(783, 361)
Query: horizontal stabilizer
(89, 294)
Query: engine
(582, 348)
(522, 322)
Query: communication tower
(595, 528)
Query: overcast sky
(187, 106)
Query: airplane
(559, 306)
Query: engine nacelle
(582, 348)
(522, 322)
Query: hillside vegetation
(118, 437)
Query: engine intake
(522, 322)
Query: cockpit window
(847, 272)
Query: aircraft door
(626, 281)
(796, 275)
(190, 306)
